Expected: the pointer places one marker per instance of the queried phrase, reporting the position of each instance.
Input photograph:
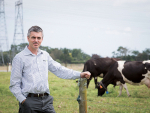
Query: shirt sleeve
(16, 79)
(61, 71)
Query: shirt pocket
(44, 65)
(27, 67)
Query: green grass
(65, 93)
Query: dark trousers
(37, 105)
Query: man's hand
(85, 74)
(23, 101)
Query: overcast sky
(94, 26)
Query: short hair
(35, 29)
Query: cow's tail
(85, 68)
(89, 65)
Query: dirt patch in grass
(78, 67)
(3, 67)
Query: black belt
(37, 95)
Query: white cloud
(118, 32)
(120, 2)
(52, 32)
(95, 29)
(113, 32)
(127, 29)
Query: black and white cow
(134, 73)
(98, 67)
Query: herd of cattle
(117, 72)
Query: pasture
(65, 93)
(5, 68)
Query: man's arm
(15, 79)
(65, 73)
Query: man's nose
(35, 39)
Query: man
(29, 75)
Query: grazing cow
(97, 67)
(134, 73)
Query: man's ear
(27, 38)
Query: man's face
(35, 39)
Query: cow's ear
(147, 66)
(94, 62)
(114, 60)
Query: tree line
(74, 56)
(131, 55)
(62, 55)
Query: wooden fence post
(7, 67)
(83, 95)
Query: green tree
(114, 54)
(123, 51)
(135, 52)
(147, 51)
(46, 48)
(85, 56)
(21, 46)
(78, 55)
(56, 53)
(65, 57)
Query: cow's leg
(95, 80)
(120, 87)
(88, 81)
(125, 86)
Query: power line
(4, 45)
(18, 33)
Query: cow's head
(147, 65)
(101, 88)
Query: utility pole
(1, 55)
(4, 45)
(19, 32)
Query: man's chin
(36, 47)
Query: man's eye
(39, 38)
(33, 37)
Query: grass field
(65, 93)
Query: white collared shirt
(30, 73)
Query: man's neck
(34, 51)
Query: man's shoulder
(20, 54)
(44, 52)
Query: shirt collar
(28, 52)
